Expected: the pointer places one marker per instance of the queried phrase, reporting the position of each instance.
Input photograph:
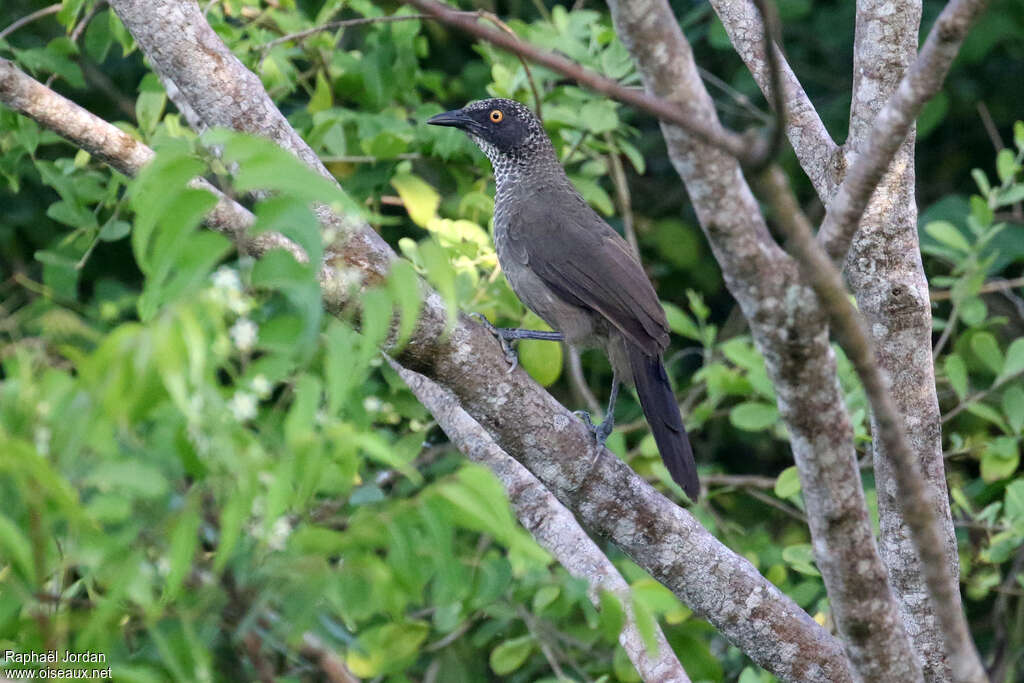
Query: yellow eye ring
(497, 115)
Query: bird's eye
(497, 115)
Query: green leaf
(646, 625)
(114, 230)
(15, 545)
(149, 108)
(542, 359)
(420, 199)
(680, 323)
(232, 517)
(987, 412)
(387, 648)
(613, 615)
(1006, 166)
(1018, 135)
(1013, 407)
(986, 348)
(479, 502)
(788, 482)
(1011, 195)
(1013, 501)
(404, 286)
(948, 234)
(800, 557)
(981, 180)
(1014, 364)
(292, 218)
(956, 373)
(1000, 459)
(544, 596)
(753, 416)
(973, 311)
(599, 116)
(509, 655)
(321, 99)
(184, 543)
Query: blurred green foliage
(202, 474)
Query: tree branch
(29, 18)
(551, 524)
(890, 128)
(789, 328)
(819, 156)
(523, 419)
(885, 272)
(919, 511)
(713, 133)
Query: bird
(566, 264)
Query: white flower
(371, 404)
(42, 440)
(279, 534)
(243, 333)
(243, 406)
(239, 303)
(261, 386)
(227, 280)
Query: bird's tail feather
(662, 412)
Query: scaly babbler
(574, 271)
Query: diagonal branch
(789, 327)
(551, 524)
(871, 225)
(819, 156)
(525, 421)
(851, 331)
(713, 133)
(889, 129)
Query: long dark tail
(662, 412)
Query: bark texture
(789, 327)
(523, 419)
(551, 524)
(887, 277)
(820, 158)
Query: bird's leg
(602, 430)
(506, 334)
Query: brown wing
(585, 262)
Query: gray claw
(510, 354)
(600, 431)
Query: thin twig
(711, 134)
(977, 396)
(947, 331)
(330, 663)
(81, 25)
(777, 504)
(299, 36)
(29, 18)
(367, 159)
(987, 288)
(578, 382)
(990, 126)
(744, 481)
(493, 18)
(622, 195)
(772, 37)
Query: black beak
(456, 119)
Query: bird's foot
(601, 431)
(506, 348)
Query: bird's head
(502, 128)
